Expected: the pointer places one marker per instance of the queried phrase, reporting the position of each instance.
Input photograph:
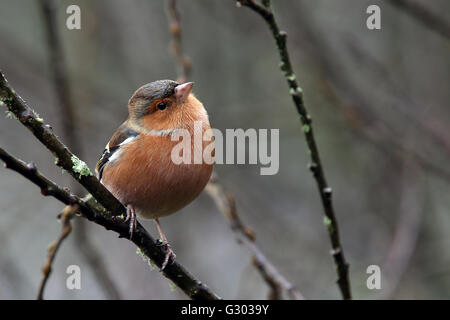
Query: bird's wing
(122, 135)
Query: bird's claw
(170, 255)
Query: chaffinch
(136, 165)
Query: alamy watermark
(374, 280)
(373, 22)
(73, 21)
(228, 148)
(73, 281)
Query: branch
(424, 15)
(227, 205)
(265, 11)
(184, 63)
(66, 228)
(99, 212)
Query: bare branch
(29, 171)
(227, 205)
(424, 15)
(66, 227)
(316, 165)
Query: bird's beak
(182, 91)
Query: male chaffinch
(136, 165)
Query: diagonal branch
(105, 211)
(265, 11)
(227, 205)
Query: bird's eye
(162, 105)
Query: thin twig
(103, 208)
(66, 227)
(424, 15)
(184, 63)
(265, 11)
(245, 235)
(66, 111)
(276, 290)
(223, 198)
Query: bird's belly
(156, 186)
(171, 191)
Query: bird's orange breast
(146, 177)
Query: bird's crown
(149, 92)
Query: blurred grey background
(380, 105)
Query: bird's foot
(131, 217)
(170, 255)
